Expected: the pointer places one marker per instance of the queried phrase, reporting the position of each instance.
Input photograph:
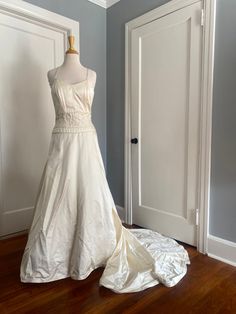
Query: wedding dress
(76, 228)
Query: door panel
(165, 97)
(28, 51)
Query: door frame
(29, 12)
(49, 20)
(208, 29)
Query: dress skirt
(76, 228)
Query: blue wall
(223, 174)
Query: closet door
(28, 48)
(166, 101)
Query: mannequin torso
(72, 71)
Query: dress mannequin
(72, 71)
(76, 228)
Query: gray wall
(117, 16)
(92, 19)
(223, 177)
(223, 174)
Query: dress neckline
(69, 84)
(65, 82)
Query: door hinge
(202, 17)
(197, 217)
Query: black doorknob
(134, 140)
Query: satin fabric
(76, 228)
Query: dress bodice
(72, 104)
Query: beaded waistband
(72, 129)
(73, 122)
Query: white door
(165, 100)
(28, 48)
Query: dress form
(72, 71)
(76, 227)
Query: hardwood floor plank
(208, 287)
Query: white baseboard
(16, 220)
(121, 212)
(222, 250)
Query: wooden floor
(208, 287)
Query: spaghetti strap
(87, 76)
(87, 73)
(55, 76)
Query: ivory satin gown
(76, 228)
